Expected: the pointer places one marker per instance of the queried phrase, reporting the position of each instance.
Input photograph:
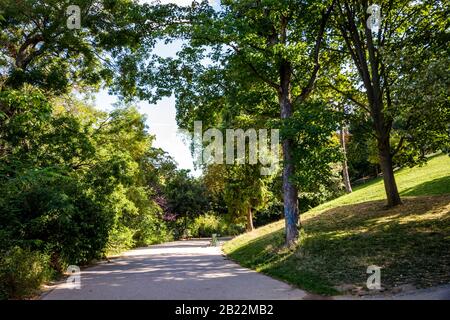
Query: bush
(271, 213)
(48, 211)
(151, 230)
(206, 225)
(22, 272)
(120, 239)
(231, 229)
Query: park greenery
(356, 109)
(342, 237)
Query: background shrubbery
(22, 272)
(206, 225)
(76, 184)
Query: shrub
(231, 229)
(52, 212)
(206, 225)
(271, 213)
(22, 272)
(120, 239)
(151, 230)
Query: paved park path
(192, 270)
(176, 270)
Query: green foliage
(361, 152)
(151, 229)
(40, 49)
(261, 57)
(75, 182)
(341, 237)
(273, 211)
(120, 239)
(245, 189)
(317, 149)
(187, 198)
(209, 223)
(22, 272)
(205, 226)
(397, 78)
(40, 201)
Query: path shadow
(174, 276)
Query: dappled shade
(411, 243)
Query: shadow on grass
(436, 186)
(410, 242)
(266, 254)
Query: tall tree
(272, 46)
(413, 24)
(187, 197)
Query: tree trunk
(367, 59)
(249, 220)
(346, 177)
(390, 186)
(289, 190)
(289, 195)
(185, 235)
(382, 128)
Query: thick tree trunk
(289, 190)
(382, 127)
(249, 220)
(289, 195)
(390, 186)
(345, 175)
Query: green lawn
(340, 238)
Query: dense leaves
(78, 183)
(70, 179)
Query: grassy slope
(342, 237)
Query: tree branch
(309, 87)
(350, 97)
(253, 68)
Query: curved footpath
(176, 270)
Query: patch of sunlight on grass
(384, 220)
(408, 179)
(421, 217)
(345, 234)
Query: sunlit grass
(342, 237)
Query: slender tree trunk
(289, 190)
(382, 127)
(185, 235)
(345, 175)
(249, 219)
(367, 60)
(390, 186)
